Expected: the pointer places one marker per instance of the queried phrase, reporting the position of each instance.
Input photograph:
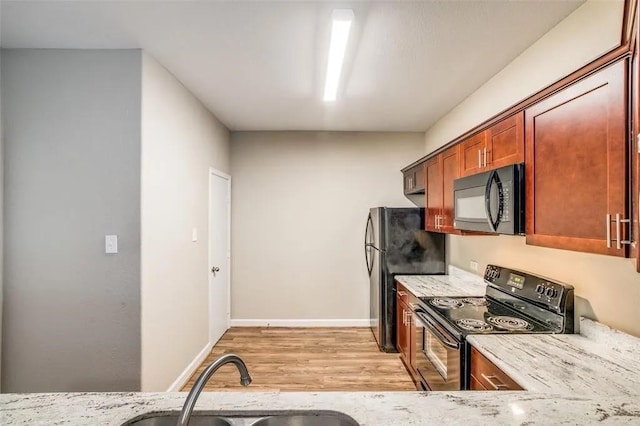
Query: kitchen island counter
(399, 408)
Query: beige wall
(589, 31)
(181, 139)
(608, 288)
(299, 206)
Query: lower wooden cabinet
(486, 376)
(406, 331)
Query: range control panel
(527, 286)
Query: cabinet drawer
(476, 385)
(406, 296)
(488, 375)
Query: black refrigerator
(396, 244)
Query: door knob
(215, 269)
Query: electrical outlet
(473, 265)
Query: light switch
(111, 244)
(194, 235)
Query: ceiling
(260, 65)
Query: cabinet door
(414, 180)
(411, 341)
(450, 164)
(419, 176)
(401, 328)
(505, 142)
(433, 198)
(472, 153)
(575, 164)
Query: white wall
(71, 176)
(181, 139)
(608, 288)
(299, 206)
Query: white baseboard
(300, 323)
(184, 377)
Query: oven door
(438, 355)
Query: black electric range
(514, 302)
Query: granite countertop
(456, 283)
(569, 379)
(597, 362)
(399, 408)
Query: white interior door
(219, 254)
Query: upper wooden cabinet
(440, 172)
(576, 165)
(498, 146)
(414, 180)
(472, 152)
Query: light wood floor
(306, 359)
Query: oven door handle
(432, 328)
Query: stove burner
(446, 303)
(509, 323)
(471, 324)
(475, 301)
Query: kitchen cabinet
(402, 341)
(405, 330)
(414, 180)
(485, 375)
(500, 145)
(576, 165)
(440, 172)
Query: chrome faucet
(189, 404)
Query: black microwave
(490, 202)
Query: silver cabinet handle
(404, 317)
(619, 240)
(402, 294)
(618, 244)
(409, 318)
(485, 156)
(491, 382)
(479, 159)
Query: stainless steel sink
(332, 419)
(171, 420)
(230, 418)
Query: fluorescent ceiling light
(342, 19)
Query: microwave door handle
(493, 176)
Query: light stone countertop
(590, 378)
(599, 361)
(457, 283)
(399, 408)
